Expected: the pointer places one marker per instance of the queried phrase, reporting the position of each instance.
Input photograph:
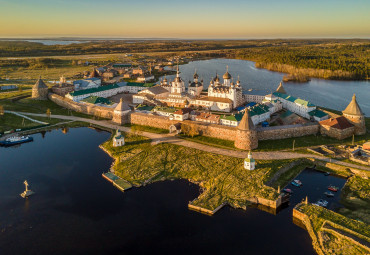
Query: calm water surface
(76, 211)
(332, 94)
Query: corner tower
(121, 114)
(354, 114)
(246, 134)
(40, 90)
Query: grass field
(138, 128)
(222, 178)
(332, 241)
(10, 121)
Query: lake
(327, 93)
(76, 211)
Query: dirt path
(170, 138)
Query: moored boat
(288, 191)
(333, 188)
(16, 140)
(327, 174)
(329, 194)
(297, 183)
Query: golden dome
(226, 76)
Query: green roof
(317, 113)
(93, 90)
(165, 109)
(140, 84)
(286, 114)
(237, 117)
(96, 100)
(144, 108)
(294, 99)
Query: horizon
(190, 20)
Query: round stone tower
(246, 134)
(40, 90)
(354, 114)
(121, 114)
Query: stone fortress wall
(275, 133)
(98, 111)
(225, 132)
(206, 129)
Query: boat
(329, 194)
(295, 184)
(321, 202)
(27, 192)
(288, 191)
(298, 181)
(16, 140)
(333, 188)
(327, 174)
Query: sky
(195, 19)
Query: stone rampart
(283, 132)
(156, 121)
(337, 133)
(95, 110)
(214, 130)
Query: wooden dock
(117, 182)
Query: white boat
(321, 202)
(27, 191)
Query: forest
(323, 58)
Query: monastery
(222, 97)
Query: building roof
(183, 111)
(208, 116)
(246, 123)
(234, 117)
(94, 74)
(353, 108)
(165, 109)
(97, 100)
(338, 123)
(93, 90)
(215, 99)
(140, 84)
(281, 89)
(317, 113)
(40, 84)
(294, 99)
(156, 90)
(144, 108)
(122, 106)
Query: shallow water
(76, 211)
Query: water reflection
(74, 210)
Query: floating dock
(117, 182)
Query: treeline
(25, 49)
(33, 63)
(328, 60)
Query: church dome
(227, 76)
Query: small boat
(295, 184)
(321, 202)
(329, 194)
(26, 193)
(288, 191)
(298, 181)
(16, 140)
(333, 188)
(327, 174)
